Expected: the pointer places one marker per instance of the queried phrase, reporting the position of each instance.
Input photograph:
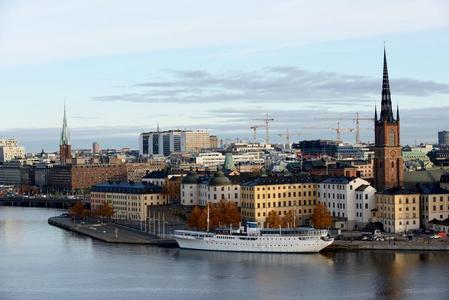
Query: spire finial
(386, 112)
(64, 140)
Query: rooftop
(126, 188)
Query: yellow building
(281, 194)
(398, 210)
(129, 200)
(434, 203)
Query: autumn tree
(172, 189)
(228, 213)
(224, 213)
(289, 219)
(321, 217)
(105, 210)
(194, 217)
(77, 211)
(273, 220)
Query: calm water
(39, 261)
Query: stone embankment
(111, 233)
(413, 245)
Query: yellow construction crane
(337, 129)
(254, 128)
(287, 136)
(267, 120)
(356, 120)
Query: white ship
(294, 240)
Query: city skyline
(219, 81)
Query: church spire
(386, 113)
(65, 131)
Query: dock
(111, 232)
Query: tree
(77, 210)
(228, 213)
(321, 217)
(194, 217)
(105, 210)
(273, 220)
(224, 213)
(289, 219)
(172, 189)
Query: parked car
(435, 236)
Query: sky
(123, 66)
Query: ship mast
(207, 216)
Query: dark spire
(375, 113)
(397, 112)
(386, 112)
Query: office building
(443, 138)
(10, 150)
(173, 141)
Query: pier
(111, 232)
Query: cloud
(419, 125)
(282, 84)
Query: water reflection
(45, 262)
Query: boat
(254, 239)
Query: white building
(200, 191)
(351, 199)
(10, 150)
(173, 141)
(213, 159)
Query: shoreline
(431, 245)
(107, 233)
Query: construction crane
(356, 120)
(337, 129)
(254, 128)
(287, 136)
(267, 120)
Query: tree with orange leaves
(288, 220)
(273, 220)
(194, 217)
(77, 210)
(321, 217)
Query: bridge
(53, 202)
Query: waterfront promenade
(110, 232)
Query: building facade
(434, 203)
(348, 199)
(173, 141)
(260, 196)
(201, 190)
(80, 178)
(443, 138)
(398, 210)
(130, 201)
(10, 150)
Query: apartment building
(398, 209)
(434, 203)
(130, 201)
(280, 194)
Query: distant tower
(388, 162)
(65, 150)
(95, 148)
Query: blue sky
(122, 67)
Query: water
(39, 261)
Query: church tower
(65, 150)
(388, 162)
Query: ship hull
(261, 244)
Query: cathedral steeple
(386, 112)
(64, 140)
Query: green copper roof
(229, 164)
(64, 140)
(219, 179)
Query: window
(392, 138)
